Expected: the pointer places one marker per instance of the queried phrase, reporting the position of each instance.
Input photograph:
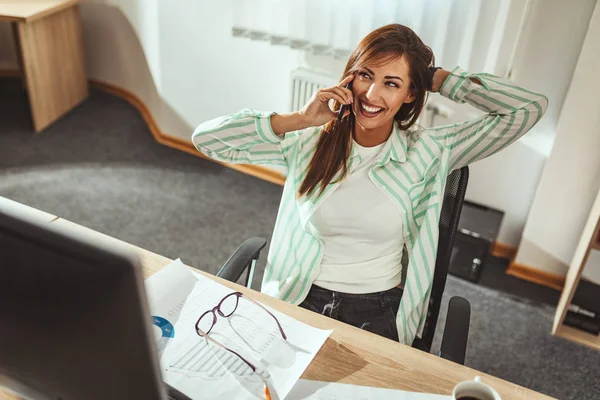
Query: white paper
(315, 390)
(203, 370)
(167, 292)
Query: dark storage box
(477, 231)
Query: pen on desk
(267, 392)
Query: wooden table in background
(350, 355)
(589, 241)
(51, 58)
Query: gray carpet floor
(99, 166)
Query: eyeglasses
(225, 308)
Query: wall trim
(523, 271)
(10, 73)
(179, 143)
(503, 251)
(536, 276)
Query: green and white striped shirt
(411, 172)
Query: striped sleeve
(245, 137)
(511, 112)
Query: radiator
(305, 83)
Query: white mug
(475, 389)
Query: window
(478, 35)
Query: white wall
(181, 60)
(207, 73)
(114, 53)
(571, 176)
(193, 68)
(142, 15)
(551, 43)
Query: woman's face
(379, 91)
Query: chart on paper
(203, 360)
(201, 369)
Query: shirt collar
(395, 148)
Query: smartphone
(345, 107)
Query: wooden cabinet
(590, 240)
(50, 52)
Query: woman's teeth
(369, 108)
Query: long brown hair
(335, 142)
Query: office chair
(454, 339)
(456, 331)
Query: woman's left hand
(438, 78)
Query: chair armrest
(456, 331)
(241, 259)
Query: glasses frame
(217, 310)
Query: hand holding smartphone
(318, 110)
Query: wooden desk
(50, 48)
(26, 211)
(350, 355)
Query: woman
(361, 190)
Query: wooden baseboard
(10, 73)
(503, 251)
(178, 143)
(248, 169)
(536, 276)
(523, 271)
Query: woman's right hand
(317, 111)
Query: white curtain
(478, 35)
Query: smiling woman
(366, 79)
(384, 90)
(380, 94)
(361, 191)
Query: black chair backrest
(454, 195)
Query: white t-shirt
(362, 231)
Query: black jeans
(373, 312)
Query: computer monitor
(74, 320)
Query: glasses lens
(229, 305)
(205, 323)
